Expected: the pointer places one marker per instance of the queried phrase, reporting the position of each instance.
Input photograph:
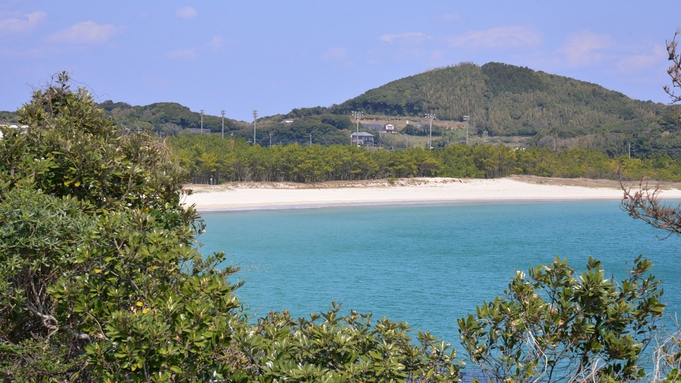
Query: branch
(52, 324)
(644, 204)
(674, 70)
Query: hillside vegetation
(507, 104)
(507, 100)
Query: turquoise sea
(427, 265)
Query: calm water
(426, 265)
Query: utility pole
(270, 138)
(430, 117)
(357, 115)
(202, 121)
(223, 123)
(310, 139)
(466, 119)
(255, 123)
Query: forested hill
(506, 104)
(508, 100)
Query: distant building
(362, 139)
(387, 128)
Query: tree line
(210, 159)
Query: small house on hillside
(362, 139)
(387, 128)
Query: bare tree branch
(644, 204)
(52, 324)
(674, 70)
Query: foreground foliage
(101, 280)
(554, 326)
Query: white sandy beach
(256, 196)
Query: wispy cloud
(216, 43)
(338, 55)
(26, 24)
(449, 17)
(88, 33)
(514, 37)
(636, 63)
(585, 48)
(403, 36)
(183, 54)
(187, 12)
(335, 54)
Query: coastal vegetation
(211, 159)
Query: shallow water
(427, 265)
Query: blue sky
(278, 55)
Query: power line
(357, 115)
(255, 123)
(466, 119)
(202, 121)
(430, 117)
(223, 123)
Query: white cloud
(501, 37)
(183, 54)
(335, 54)
(404, 36)
(8, 26)
(216, 43)
(636, 63)
(187, 12)
(450, 17)
(87, 32)
(585, 48)
(338, 55)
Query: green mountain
(507, 100)
(505, 103)
(167, 117)
(502, 99)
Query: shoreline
(413, 191)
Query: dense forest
(213, 159)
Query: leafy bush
(555, 326)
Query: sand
(257, 196)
